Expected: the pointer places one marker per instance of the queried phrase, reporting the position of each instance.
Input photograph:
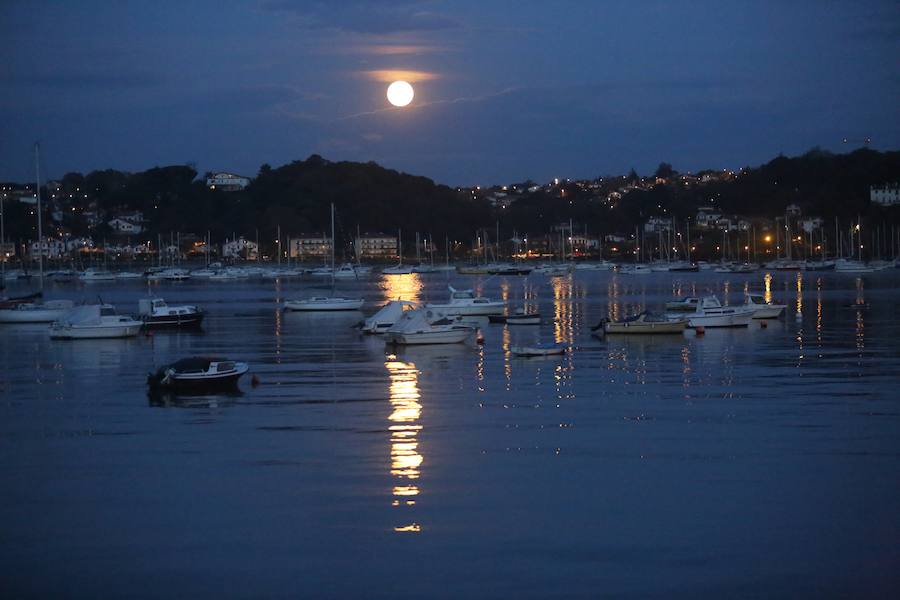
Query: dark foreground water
(760, 462)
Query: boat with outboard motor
(154, 312)
(198, 374)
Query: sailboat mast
(37, 192)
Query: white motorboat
(198, 374)
(154, 312)
(761, 308)
(125, 275)
(466, 303)
(686, 304)
(385, 318)
(602, 265)
(94, 321)
(683, 266)
(36, 312)
(424, 326)
(540, 349)
(92, 275)
(711, 313)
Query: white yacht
(686, 304)
(91, 275)
(711, 313)
(347, 271)
(637, 269)
(761, 308)
(35, 312)
(389, 314)
(94, 321)
(848, 265)
(397, 270)
(420, 327)
(466, 303)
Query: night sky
(505, 90)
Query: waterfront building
(885, 195)
(376, 245)
(227, 182)
(309, 245)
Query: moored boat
(324, 303)
(154, 312)
(94, 321)
(35, 312)
(198, 374)
(539, 349)
(711, 313)
(424, 326)
(385, 318)
(643, 324)
(466, 303)
(761, 308)
(686, 304)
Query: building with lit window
(227, 182)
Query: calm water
(756, 462)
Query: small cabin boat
(466, 303)
(424, 326)
(385, 318)
(197, 374)
(761, 308)
(154, 312)
(324, 303)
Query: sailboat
(37, 311)
(400, 269)
(326, 303)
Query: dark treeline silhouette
(297, 196)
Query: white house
(227, 182)
(240, 248)
(124, 227)
(52, 248)
(707, 216)
(885, 195)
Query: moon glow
(400, 93)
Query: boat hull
(450, 336)
(173, 321)
(732, 319)
(644, 328)
(323, 306)
(95, 332)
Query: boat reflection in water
(406, 460)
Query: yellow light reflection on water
(799, 293)
(406, 460)
(402, 287)
(564, 320)
(768, 294)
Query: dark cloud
(367, 17)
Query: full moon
(400, 93)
